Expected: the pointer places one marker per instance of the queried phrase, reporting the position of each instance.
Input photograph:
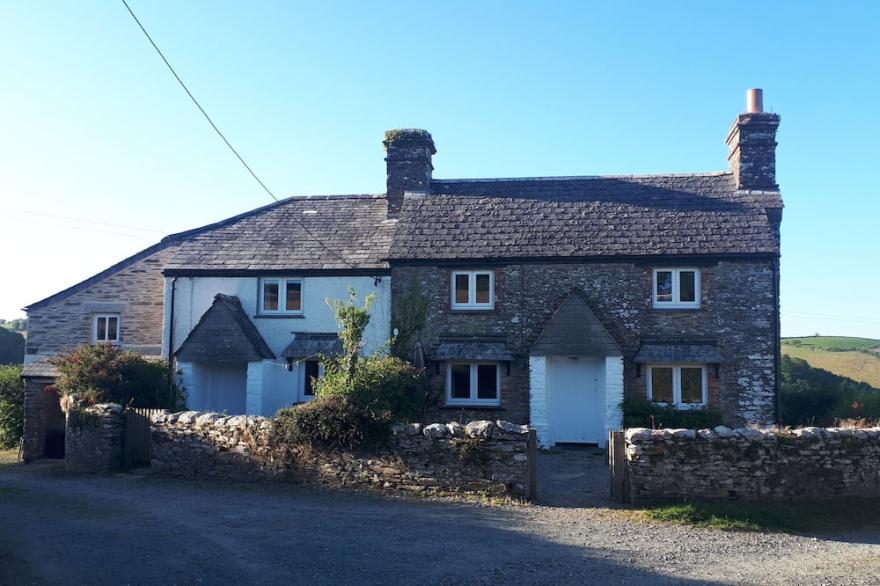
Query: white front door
(576, 399)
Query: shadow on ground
(135, 529)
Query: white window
(677, 288)
(105, 328)
(683, 386)
(280, 296)
(473, 290)
(473, 383)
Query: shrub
(11, 405)
(331, 422)
(103, 373)
(641, 413)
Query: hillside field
(855, 358)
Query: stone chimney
(408, 164)
(751, 145)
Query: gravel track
(134, 529)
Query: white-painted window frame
(282, 296)
(676, 385)
(107, 317)
(472, 304)
(676, 302)
(473, 401)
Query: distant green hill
(855, 358)
(834, 343)
(814, 396)
(11, 347)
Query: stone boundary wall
(752, 464)
(480, 457)
(93, 438)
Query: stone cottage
(548, 300)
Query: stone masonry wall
(93, 439)
(430, 458)
(736, 313)
(135, 292)
(752, 464)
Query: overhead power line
(83, 220)
(226, 141)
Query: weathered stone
(456, 429)
(508, 427)
(480, 429)
(638, 433)
(723, 431)
(435, 430)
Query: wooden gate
(136, 446)
(617, 469)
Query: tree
(11, 405)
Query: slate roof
(224, 334)
(471, 349)
(40, 368)
(307, 344)
(696, 214)
(574, 330)
(678, 353)
(283, 235)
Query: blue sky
(93, 127)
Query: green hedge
(641, 413)
(11, 405)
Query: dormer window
(676, 288)
(105, 328)
(280, 296)
(473, 290)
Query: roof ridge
(582, 177)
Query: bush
(813, 396)
(641, 413)
(11, 405)
(331, 422)
(103, 373)
(384, 387)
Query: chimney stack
(751, 145)
(408, 164)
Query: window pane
(661, 385)
(311, 372)
(461, 288)
(293, 301)
(664, 286)
(101, 330)
(487, 381)
(112, 328)
(483, 294)
(460, 381)
(270, 296)
(691, 385)
(687, 286)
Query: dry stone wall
(480, 457)
(752, 464)
(93, 438)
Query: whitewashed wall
(269, 386)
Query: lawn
(787, 516)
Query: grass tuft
(845, 514)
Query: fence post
(533, 465)
(617, 465)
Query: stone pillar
(538, 416)
(93, 438)
(613, 394)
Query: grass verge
(8, 457)
(846, 514)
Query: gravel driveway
(133, 529)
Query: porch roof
(40, 368)
(701, 353)
(574, 330)
(224, 334)
(471, 349)
(306, 344)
